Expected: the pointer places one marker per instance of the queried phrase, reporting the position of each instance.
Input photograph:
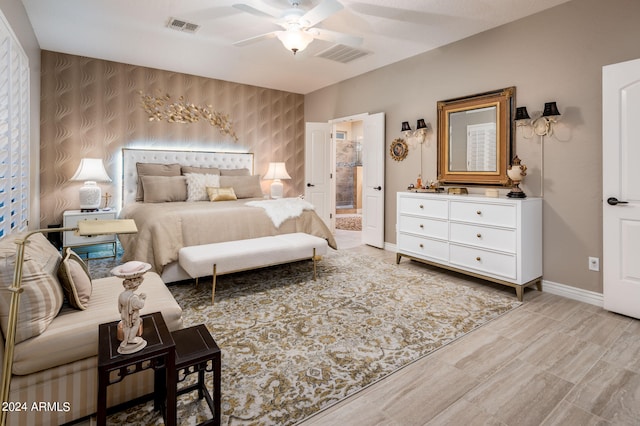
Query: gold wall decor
(161, 108)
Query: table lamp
(276, 172)
(90, 170)
(84, 228)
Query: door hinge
(330, 175)
(330, 217)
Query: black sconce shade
(421, 124)
(550, 110)
(522, 114)
(405, 126)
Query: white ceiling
(135, 32)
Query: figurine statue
(129, 305)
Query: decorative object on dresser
(90, 170)
(71, 218)
(497, 239)
(475, 137)
(516, 172)
(275, 172)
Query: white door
(317, 171)
(373, 153)
(620, 187)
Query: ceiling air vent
(343, 54)
(181, 25)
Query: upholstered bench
(241, 255)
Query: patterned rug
(292, 346)
(349, 223)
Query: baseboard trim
(586, 296)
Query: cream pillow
(197, 184)
(75, 279)
(42, 296)
(243, 186)
(164, 189)
(221, 194)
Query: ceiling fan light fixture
(295, 40)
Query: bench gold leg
(213, 286)
(315, 261)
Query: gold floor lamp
(84, 228)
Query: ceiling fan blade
(256, 39)
(320, 12)
(335, 37)
(259, 9)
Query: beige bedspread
(164, 228)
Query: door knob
(377, 188)
(309, 185)
(614, 201)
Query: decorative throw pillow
(197, 185)
(243, 186)
(75, 279)
(201, 170)
(164, 189)
(154, 169)
(235, 172)
(42, 296)
(221, 194)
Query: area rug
(292, 346)
(349, 223)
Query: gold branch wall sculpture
(161, 108)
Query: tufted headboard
(222, 160)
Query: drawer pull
(421, 206)
(478, 259)
(479, 235)
(479, 212)
(421, 226)
(421, 245)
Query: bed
(165, 225)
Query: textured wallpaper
(91, 108)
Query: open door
(373, 152)
(318, 160)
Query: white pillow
(197, 185)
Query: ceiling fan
(298, 26)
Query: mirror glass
(474, 138)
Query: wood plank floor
(552, 361)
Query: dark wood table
(159, 354)
(195, 350)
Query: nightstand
(70, 219)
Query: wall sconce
(541, 126)
(420, 132)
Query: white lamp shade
(90, 170)
(276, 172)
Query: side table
(195, 348)
(159, 354)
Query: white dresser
(498, 239)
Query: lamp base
(516, 192)
(277, 189)
(90, 196)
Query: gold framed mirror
(475, 138)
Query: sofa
(54, 375)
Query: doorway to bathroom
(348, 142)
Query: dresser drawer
(486, 214)
(423, 247)
(503, 265)
(70, 239)
(424, 207)
(424, 226)
(482, 236)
